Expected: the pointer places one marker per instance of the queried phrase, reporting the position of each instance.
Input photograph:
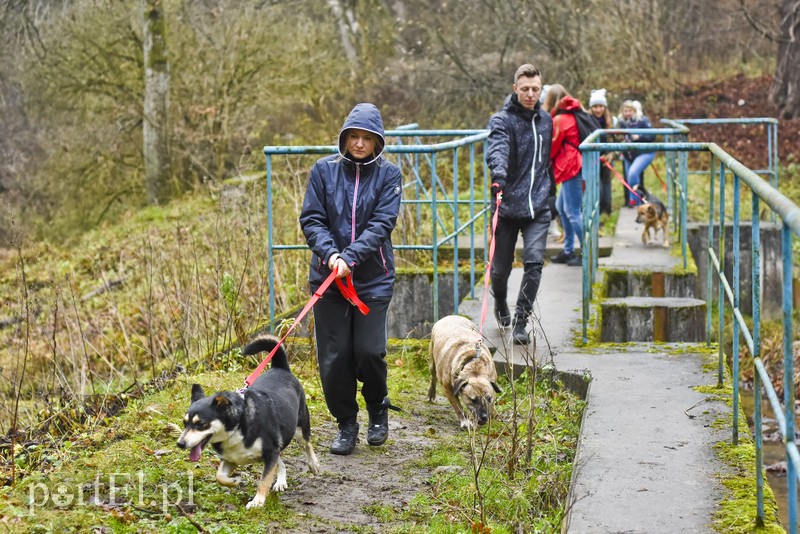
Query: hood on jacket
(367, 117)
(568, 103)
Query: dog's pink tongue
(194, 454)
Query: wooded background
(108, 105)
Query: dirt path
(338, 499)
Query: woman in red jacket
(566, 160)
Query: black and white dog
(254, 426)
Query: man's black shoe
(345, 442)
(562, 257)
(502, 313)
(520, 334)
(575, 261)
(378, 429)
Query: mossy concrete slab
(653, 319)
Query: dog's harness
(347, 289)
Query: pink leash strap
(621, 179)
(488, 270)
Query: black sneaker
(520, 333)
(562, 257)
(575, 261)
(378, 429)
(345, 442)
(501, 313)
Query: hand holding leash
(339, 266)
(497, 188)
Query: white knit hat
(598, 97)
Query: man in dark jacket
(518, 156)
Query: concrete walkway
(646, 461)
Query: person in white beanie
(598, 104)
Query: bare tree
(156, 103)
(785, 90)
(348, 31)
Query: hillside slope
(738, 96)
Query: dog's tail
(266, 344)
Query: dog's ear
(197, 392)
(458, 385)
(220, 401)
(496, 388)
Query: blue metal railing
(789, 215)
(676, 149)
(429, 191)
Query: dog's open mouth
(197, 450)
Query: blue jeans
(568, 205)
(635, 171)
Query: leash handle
(488, 270)
(621, 179)
(348, 291)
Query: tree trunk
(785, 91)
(348, 30)
(156, 104)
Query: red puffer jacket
(565, 157)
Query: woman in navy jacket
(350, 209)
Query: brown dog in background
(654, 215)
(463, 365)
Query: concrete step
(669, 319)
(648, 283)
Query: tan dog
(654, 215)
(463, 365)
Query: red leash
(348, 291)
(621, 179)
(658, 175)
(489, 265)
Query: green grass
(136, 457)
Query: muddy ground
(348, 487)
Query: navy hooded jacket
(518, 156)
(351, 207)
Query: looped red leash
(347, 290)
(621, 179)
(487, 272)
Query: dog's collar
(476, 357)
